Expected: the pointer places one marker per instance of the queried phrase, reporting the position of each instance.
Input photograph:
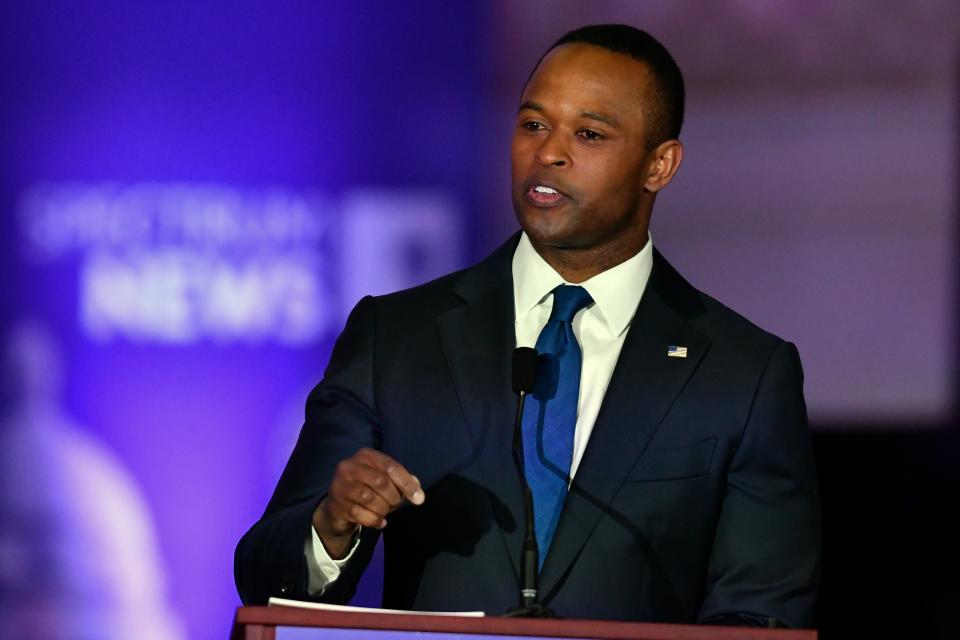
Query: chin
(546, 226)
(540, 232)
(551, 237)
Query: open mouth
(544, 195)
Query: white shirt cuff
(322, 570)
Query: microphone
(524, 370)
(524, 377)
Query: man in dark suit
(671, 463)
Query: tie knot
(567, 300)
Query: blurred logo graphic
(182, 263)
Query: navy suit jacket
(695, 500)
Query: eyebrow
(600, 117)
(533, 106)
(592, 115)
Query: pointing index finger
(408, 483)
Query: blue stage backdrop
(193, 197)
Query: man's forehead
(589, 66)
(580, 55)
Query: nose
(552, 152)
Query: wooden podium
(263, 623)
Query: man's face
(579, 153)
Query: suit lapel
(478, 339)
(643, 387)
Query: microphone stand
(529, 606)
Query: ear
(664, 161)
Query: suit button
(286, 588)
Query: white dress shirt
(600, 329)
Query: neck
(578, 265)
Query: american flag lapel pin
(673, 351)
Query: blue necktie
(550, 415)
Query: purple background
(817, 196)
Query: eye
(532, 125)
(589, 134)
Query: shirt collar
(616, 291)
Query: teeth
(545, 190)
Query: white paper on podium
(302, 604)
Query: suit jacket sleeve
(340, 418)
(765, 559)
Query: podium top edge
(555, 628)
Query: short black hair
(665, 114)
